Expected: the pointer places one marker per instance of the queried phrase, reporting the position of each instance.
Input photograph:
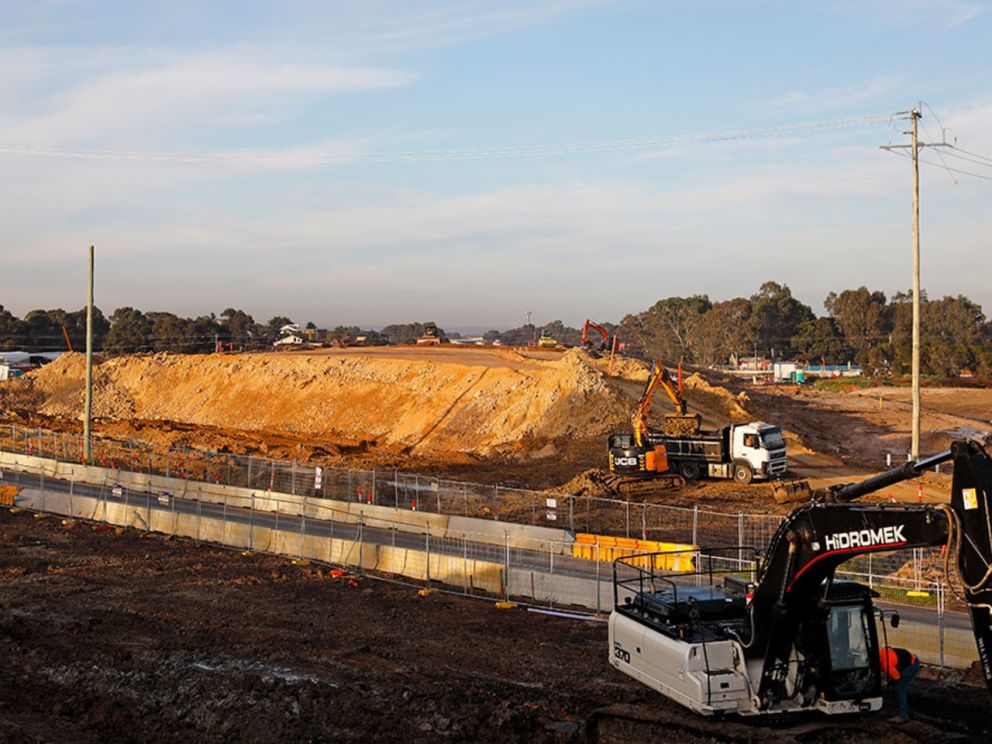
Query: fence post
(551, 570)
(506, 565)
(199, 511)
(644, 521)
(72, 512)
(427, 542)
(373, 486)
(496, 510)
(465, 562)
(40, 444)
(740, 538)
(303, 527)
(940, 621)
(251, 523)
(599, 609)
(361, 543)
(627, 529)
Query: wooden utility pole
(915, 146)
(87, 448)
(915, 444)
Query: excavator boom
(794, 638)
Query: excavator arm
(813, 541)
(660, 377)
(590, 326)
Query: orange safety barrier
(7, 494)
(667, 556)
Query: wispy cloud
(123, 95)
(835, 99)
(942, 13)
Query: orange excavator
(679, 423)
(608, 342)
(633, 453)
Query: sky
(380, 161)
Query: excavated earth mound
(733, 407)
(420, 405)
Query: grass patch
(845, 384)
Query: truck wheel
(742, 472)
(689, 470)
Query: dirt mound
(734, 407)
(624, 368)
(593, 482)
(422, 405)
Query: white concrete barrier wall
(386, 517)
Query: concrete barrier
(373, 515)
(459, 572)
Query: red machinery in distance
(608, 343)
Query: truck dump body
(709, 446)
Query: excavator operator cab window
(849, 641)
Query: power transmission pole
(87, 448)
(915, 146)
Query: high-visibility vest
(894, 661)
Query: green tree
(203, 331)
(863, 318)
(13, 333)
(130, 332)
(667, 330)
(239, 327)
(775, 318)
(820, 340)
(722, 331)
(43, 332)
(170, 332)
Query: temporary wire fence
(544, 573)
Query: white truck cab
(757, 450)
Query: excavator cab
(849, 636)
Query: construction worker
(900, 666)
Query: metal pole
(915, 448)
(599, 609)
(427, 542)
(506, 565)
(88, 407)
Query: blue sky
(375, 162)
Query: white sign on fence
(551, 503)
(552, 516)
(318, 475)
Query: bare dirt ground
(108, 637)
(524, 418)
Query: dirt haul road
(129, 638)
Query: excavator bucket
(681, 425)
(786, 491)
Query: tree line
(860, 326)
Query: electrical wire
(541, 150)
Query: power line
(327, 157)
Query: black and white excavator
(789, 637)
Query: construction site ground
(523, 418)
(110, 636)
